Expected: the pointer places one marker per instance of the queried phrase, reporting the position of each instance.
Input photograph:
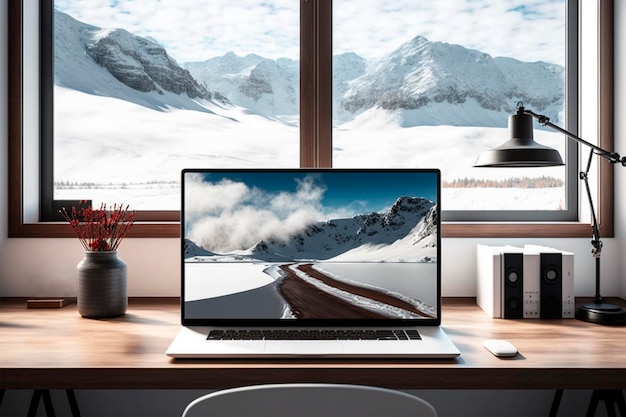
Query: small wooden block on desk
(58, 302)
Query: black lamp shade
(520, 150)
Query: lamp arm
(596, 242)
(612, 157)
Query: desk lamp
(522, 151)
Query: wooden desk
(57, 349)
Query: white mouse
(500, 347)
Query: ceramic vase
(101, 285)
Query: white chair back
(309, 400)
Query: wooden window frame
(316, 133)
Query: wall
(620, 135)
(46, 267)
(40, 267)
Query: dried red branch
(100, 230)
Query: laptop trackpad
(304, 347)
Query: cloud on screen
(227, 215)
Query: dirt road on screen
(308, 301)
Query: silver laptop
(311, 263)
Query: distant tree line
(69, 185)
(523, 182)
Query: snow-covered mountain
(267, 87)
(115, 63)
(191, 250)
(406, 232)
(419, 83)
(434, 83)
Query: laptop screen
(314, 246)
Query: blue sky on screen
(196, 30)
(363, 192)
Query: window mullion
(316, 83)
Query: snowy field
(141, 152)
(417, 280)
(204, 280)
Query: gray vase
(101, 285)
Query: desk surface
(56, 348)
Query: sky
(236, 210)
(196, 30)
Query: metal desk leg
(556, 402)
(621, 402)
(47, 403)
(611, 398)
(71, 398)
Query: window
(411, 91)
(316, 147)
(149, 88)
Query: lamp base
(601, 313)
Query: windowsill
(449, 230)
(517, 230)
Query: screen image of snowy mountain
(371, 264)
(407, 232)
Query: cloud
(373, 28)
(196, 30)
(226, 216)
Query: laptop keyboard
(322, 334)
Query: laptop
(334, 263)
